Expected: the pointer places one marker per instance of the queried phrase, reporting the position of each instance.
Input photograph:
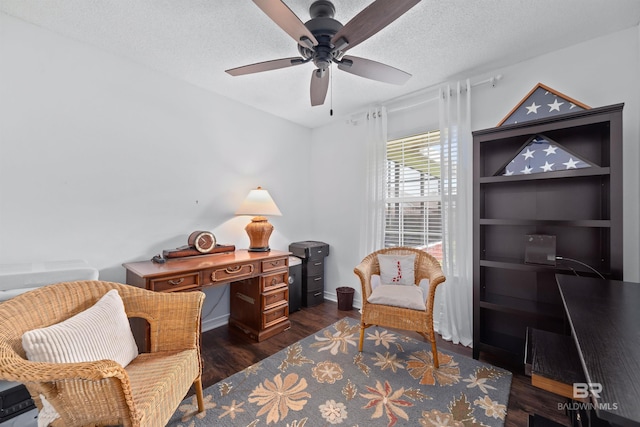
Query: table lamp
(259, 203)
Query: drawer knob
(233, 269)
(274, 281)
(176, 282)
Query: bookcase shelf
(520, 306)
(593, 171)
(597, 223)
(581, 207)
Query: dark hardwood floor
(225, 352)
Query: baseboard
(215, 322)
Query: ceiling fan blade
(266, 66)
(373, 70)
(319, 86)
(288, 21)
(370, 20)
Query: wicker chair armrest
(174, 318)
(364, 270)
(63, 383)
(433, 285)
(432, 278)
(26, 371)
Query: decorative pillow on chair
(100, 332)
(397, 269)
(405, 296)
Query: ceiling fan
(323, 40)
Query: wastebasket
(345, 298)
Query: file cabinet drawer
(314, 283)
(313, 298)
(314, 267)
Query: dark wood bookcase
(581, 207)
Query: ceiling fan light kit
(324, 41)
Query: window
(413, 193)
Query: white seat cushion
(424, 284)
(398, 296)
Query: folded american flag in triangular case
(542, 154)
(541, 102)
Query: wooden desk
(605, 323)
(259, 283)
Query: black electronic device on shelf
(540, 249)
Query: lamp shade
(258, 202)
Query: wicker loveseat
(421, 321)
(145, 393)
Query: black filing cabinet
(313, 256)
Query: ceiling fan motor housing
(323, 27)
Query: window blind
(413, 193)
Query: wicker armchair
(426, 267)
(145, 393)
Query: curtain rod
(492, 80)
(353, 118)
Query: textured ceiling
(196, 40)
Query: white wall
(599, 72)
(337, 181)
(108, 161)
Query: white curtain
(455, 296)
(372, 225)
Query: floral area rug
(323, 380)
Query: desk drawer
(276, 264)
(275, 315)
(175, 283)
(231, 273)
(275, 298)
(274, 281)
